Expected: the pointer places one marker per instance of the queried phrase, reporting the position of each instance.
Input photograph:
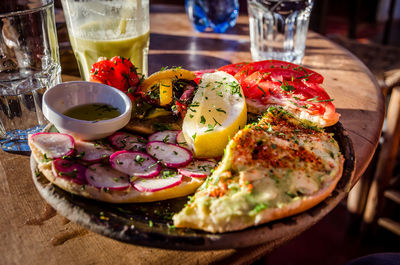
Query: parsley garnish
(202, 119)
(221, 110)
(258, 208)
(286, 87)
(139, 159)
(262, 90)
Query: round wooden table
(33, 233)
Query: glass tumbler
(29, 64)
(278, 29)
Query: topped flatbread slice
(275, 168)
(85, 169)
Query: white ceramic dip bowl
(64, 96)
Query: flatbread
(129, 195)
(272, 169)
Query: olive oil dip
(93, 112)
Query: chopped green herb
(221, 110)
(286, 87)
(262, 90)
(45, 158)
(258, 208)
(216, 122)
(210, 128)
(139, 159)
(166, 138)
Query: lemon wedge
(217, 112)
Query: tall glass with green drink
(107, 28)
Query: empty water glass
(29, 64)
(278, 29)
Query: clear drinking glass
(278, 29)
(107, 28)
(29, 64)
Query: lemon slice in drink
(217, 112)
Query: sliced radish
(171, 155)
(181, 141)
(135, 164)
(102, 176)
(127, 141)
(69, 170)
(164, 136)
(53, 145)
(197, 169)
(92, 152)
(166, 179)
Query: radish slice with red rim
(171, 155)
(102, 176)
(166, 179)
(164, 136)
(135, 164)
(91, 152)
(53, 145)
(181, 141)
(197, 169)
(69, 170)
(127, 141)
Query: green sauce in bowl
(93, 112)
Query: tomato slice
(232, 68)
(251, 88)
(307, 97)
(273, 82)
(273, 65)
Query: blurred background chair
(372, 200)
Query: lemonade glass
(108, 28)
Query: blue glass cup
(217, 15)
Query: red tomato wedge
(292, 86)
(232, 68)
(277, 67)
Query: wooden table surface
(32, 233)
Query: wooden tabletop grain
(33, 233)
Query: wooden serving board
(149, 224)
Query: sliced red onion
(102, 176)
(92, 152)
(164, 136)
(197, 169)
(53, 145)
(171, 155)
(69, 170)
(127, 141)
(135, 164)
